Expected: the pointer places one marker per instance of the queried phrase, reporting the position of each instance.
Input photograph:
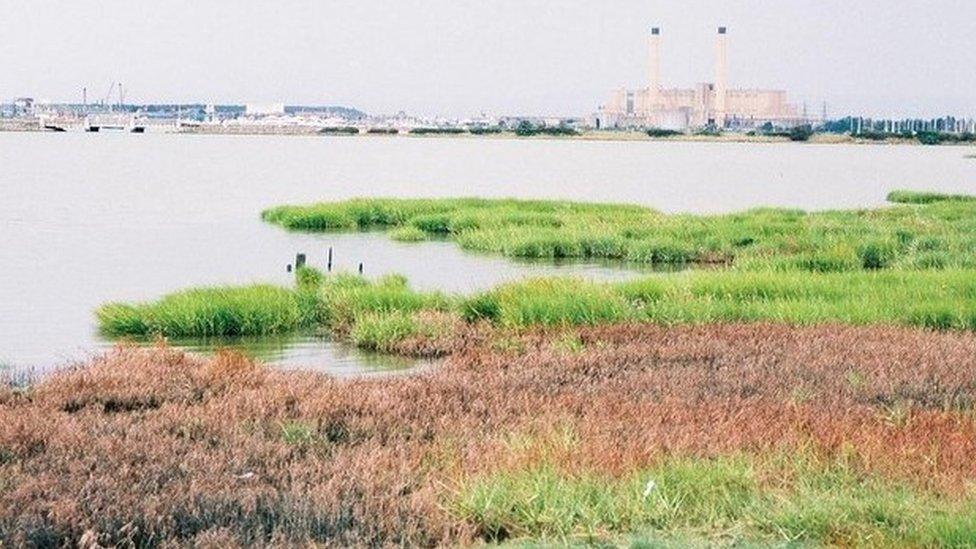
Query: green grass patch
(381, 332)
(896, 237)
(921, 197)
(220, 311)
(728, 498)
(408, 234)
(930, 299)
(911, 264)
(549, 301)
(379, 313)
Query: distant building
(23, 106)
(264, 109)
(705, 105)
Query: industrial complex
(706, 108)
(710, 104)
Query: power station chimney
(654, 65)
(721, 78)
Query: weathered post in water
(299, 261)
(328, 266)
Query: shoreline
(14, 126)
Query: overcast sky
(460, 57)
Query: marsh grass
(691, 432)
(901, 236)
(378, 314)
(729, 497)
(214, 311)
(910, 264)
(374, 313)
(934, 299)
(922, 197)
(408, 234)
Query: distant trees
(437, 131)
(485, 130)
(526, 128)
(660, 132)
(801, 133)
(340, 130)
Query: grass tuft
(219, 311)
(922, 197)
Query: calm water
(89, 218)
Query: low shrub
(801, 133)
(659, 132)
(340, 130)
(437, 131)
(491, 130)
(528, 129)
(930, 138)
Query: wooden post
(329, 264)
(360, 269)
(299, 261)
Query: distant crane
(108, 96)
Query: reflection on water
(307, 352)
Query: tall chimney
(721, 78)
(654, 65)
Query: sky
(465, 57)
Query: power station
(706, 105)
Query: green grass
(549, 301)
(380, 332)
(334, 302)
(931, 299)
(911, 264)
(921, 231)
(921, 197)
(408, 233)
(727, 498)
(218, 311)
(378, 313)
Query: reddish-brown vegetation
(154, 445)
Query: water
(90, 218)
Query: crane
(109, 94)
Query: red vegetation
(151, 445)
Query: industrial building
(706, 105)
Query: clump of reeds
(749, 433)
(217, 311)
